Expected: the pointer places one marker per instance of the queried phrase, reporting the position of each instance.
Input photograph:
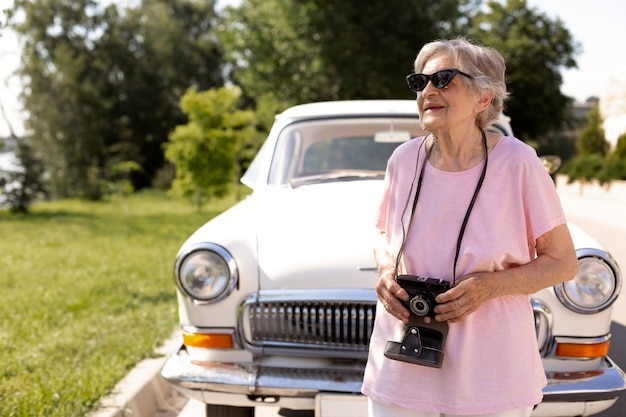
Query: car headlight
(206, 272)
(596, 285)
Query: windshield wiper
(333, 177)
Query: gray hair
(484, 64)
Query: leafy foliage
(103, 86)
(615, 167)
(23, 185)
(592, 140)
(584, 168)
(594, 160)
(535, 49)
(203, 151)
(267, 107)
(305, 50)
(595, 167)
(620, 147)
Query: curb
(142, 392)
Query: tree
(305, 50)
(168, 47)
(615, 166)
(203, 151)
(102, 86)
(591, 162)
(61, 104)
(592, 140)
(620, 147)
(267, 107)
(584, 168)
(22, 185)
(535, 48)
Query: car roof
(344, 108)
(364, 108)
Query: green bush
(620, 147)
(584, 167)
(596, 166)
(614, 169)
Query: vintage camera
(422, 292)
(423, 342)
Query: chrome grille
(330, 325)
(318, 322)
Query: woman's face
(454, 106)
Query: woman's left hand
(466, 297)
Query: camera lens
(419, 305)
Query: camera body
(422, 292)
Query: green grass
(87, 292)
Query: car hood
(582, 239)
(317, 236)
(313, 236)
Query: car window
(334, 149)
(354, 152)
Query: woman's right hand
(387, 289)
(390, 293)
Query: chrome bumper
(253, 381)
(604, 384)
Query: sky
(598, 26)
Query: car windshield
(338, 149)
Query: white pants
(376, 409)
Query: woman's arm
(387, 289)
(556, 262)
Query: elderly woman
(478, 210)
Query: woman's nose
(429, 90)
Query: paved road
(605, 220)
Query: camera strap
(467, 213)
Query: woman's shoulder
(511, 155)
(513, 147)
(409, 149)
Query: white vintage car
(276, 296)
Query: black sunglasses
(418, 82)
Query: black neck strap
(467, 213)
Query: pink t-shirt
(492, 362)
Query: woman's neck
(457, 153)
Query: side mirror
(552, 163)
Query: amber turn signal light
(576, 350)
(208, 340)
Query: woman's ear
(484, 100)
